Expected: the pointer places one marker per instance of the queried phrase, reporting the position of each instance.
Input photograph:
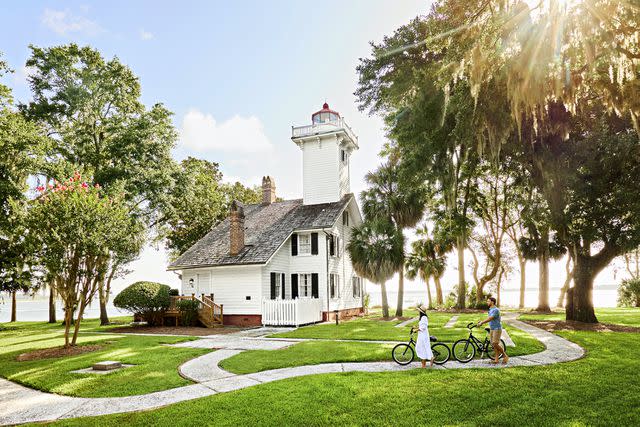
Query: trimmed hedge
(148, 299)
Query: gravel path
(19, 404)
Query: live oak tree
(73, 228)
(198, 202)
(20, 142)
(376, 252)
(90, 108)
(534, 77)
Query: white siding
(320, 174)
(344, 174)
(282, 261)
(230, 286)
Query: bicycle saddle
(433, 339)
(487, 329)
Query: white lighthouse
(326, 144)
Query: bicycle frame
(481, 346)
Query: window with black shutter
(314, 285)
(314, 243)
(282, 286)
(273, 286)
(294, 286)
(332, 245)
(294, 244)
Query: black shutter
(314, 243)
(332, 245)
(314, 285)
(273, 285)
(294, 244)
(282, 285)
(294, 286)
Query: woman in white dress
(423, 345)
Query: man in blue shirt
(495, 330)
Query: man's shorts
(494, 336)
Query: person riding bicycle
(495, 330)
(423, 345)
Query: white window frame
(278, 284)
(304, 249)
(301, 285)
(344, 156)
(334, 285)
(356, 284)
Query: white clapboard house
(285, 263)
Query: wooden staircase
(210, 314)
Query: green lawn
(600, 389)
(155, 365)
(367, 328)
(620, 316)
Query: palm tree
(424, 262)
(398, 200)
(376, 253)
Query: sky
(237, 75)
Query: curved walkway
(19, 404)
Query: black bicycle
(403, 354)
(465, 349)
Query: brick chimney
(236, 228)
(268, 190)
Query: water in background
(37, 309)
(603, 296)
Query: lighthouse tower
(326, 144)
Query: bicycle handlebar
(471, 325)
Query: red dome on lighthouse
(325, 115)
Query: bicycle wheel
(463, 351)
(402, 354)
(441, 353)
(491, 352)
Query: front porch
(210, 314)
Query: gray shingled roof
(266, 228)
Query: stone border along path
(19, 404)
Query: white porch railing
(291, 312)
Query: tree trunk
(52, 304)
(67, 325)
(429, 293)
(385, 301)
(439, 299)
(580, 307)
(462, 286)
(103, 292)
(543, 265)
(479, 293)
(567, 282)
(523, 280)
(79, 319)
(104, 317)
(400, 292)
(13, 306)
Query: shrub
(148, 299)
(629, 293)
(174, 292)
(188, 311)
(474, 302)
